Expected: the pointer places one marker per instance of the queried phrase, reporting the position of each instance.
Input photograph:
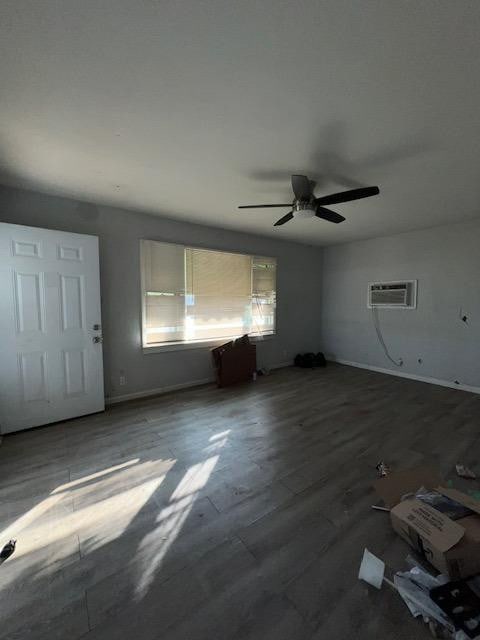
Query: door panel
(26, 249)
(72, 306)
(29, 301)
(70, 253)
(51, 368)
(75, 372)
(33, 379)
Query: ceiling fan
(305, 205)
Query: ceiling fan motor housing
(303, 209)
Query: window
(197, 295)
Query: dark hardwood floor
(221, 514)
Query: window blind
(263, 294)
(218, 294)
(164, 292)
(195, 294)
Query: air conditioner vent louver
(394, 295)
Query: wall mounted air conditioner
(398, 294)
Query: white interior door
(51, 365)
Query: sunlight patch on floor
(94, 476)
(29, 518)
(99, 522)
(156, 544)
(218, 436)
(108, 519)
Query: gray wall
(446, 262)
(298, 285)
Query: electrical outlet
(123, 380)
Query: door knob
(97, 339)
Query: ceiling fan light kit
(306, 205)
(301, 210)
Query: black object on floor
(7, 550)
(461, 604)
(310, 360)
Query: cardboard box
(451, 546)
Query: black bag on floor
(320, 360)
(310, 360)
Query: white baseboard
(281, 365)
(173, 387)
(410, 376)
(158, 391)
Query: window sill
(204, 344)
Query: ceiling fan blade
(262, 206)
(326, 214)
(302, 187)
(346, 196)
(283, 220)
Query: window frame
(181, 345)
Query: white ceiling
(189, 108)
